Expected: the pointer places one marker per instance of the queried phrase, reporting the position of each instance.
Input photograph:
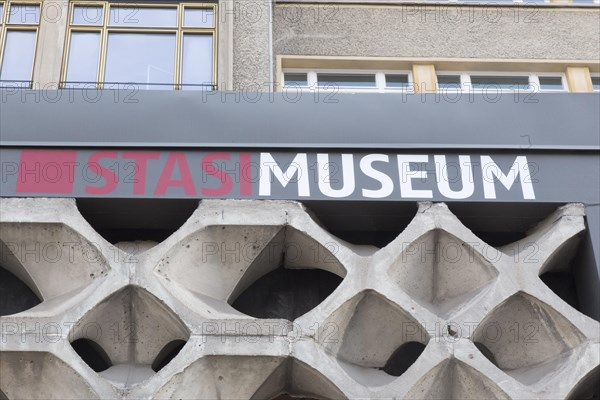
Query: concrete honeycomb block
(436, 263)
(141, 329)
(250, 377)
(454, 379)
(51, 249)
(375, 334)
(538, 338)
(36, 374)
(257, 300)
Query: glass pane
(448, 82)
(396, 81)
(142, 16)
(24, 14)
(147, 59)
(295, 79)
(596, 83)
(500, 82)
(18, 56)
(198, 17)
(346, 80)
(551, 83)
(197, 62)
(87, 15)
(83, 57)
(1, 13)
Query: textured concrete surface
(444, 31)
(251, 54)
(486, 324)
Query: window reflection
(144, 58)
(197, 61)
(136, 16)
(19, 49)
(83, 57)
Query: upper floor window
(503, 82)
(352, 81)
(116, 45)
(19, 25)
(596, 83)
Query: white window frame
(534, 81)
(560, 75)
(312, 80)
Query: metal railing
(28, 84)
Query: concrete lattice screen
(256, 300)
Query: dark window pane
(295, 79)
(500, 82)
(596, 83)
(448, 82)
(396, 81)
(551, 83)
(346, 80)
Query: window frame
(560, 75)
(5, 27)
(312, 82)
(533, 79)
(104, 28)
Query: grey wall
(251, 45)
(438, 31)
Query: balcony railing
(22, 84)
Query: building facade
(300, 199)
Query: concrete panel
(444, 31)
(484, 323)
(251, 44)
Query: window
(503, 82)
(351, 81)
(449, 82)
(19, 24)
(117, 45)
(596, 83)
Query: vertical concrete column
(579, 79)
(51, 42)
(424, 78)
(251, 45)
